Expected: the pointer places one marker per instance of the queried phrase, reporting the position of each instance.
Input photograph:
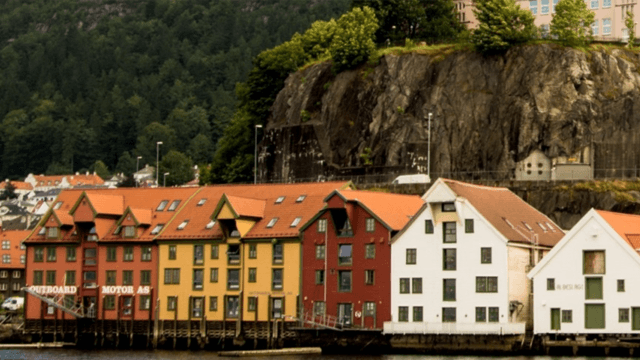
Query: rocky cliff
(488, 114)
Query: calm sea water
(72, 354)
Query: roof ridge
(483, 187)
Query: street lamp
(158, 160)
(137, 169)
(164, 184)
(255, 156)
(429, 148)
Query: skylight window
(296, 221)
(57, 206)
(280, 199)
(157, 229)
(551, 227)
(210, 224)
(508, 222)
(201, 202)
(183, 225)
(272, 222)
(163, 204)
(301, 198)
(542, 227)
(527, 226)
(173, 205)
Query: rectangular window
(344, 281)
(594, 262)
(213, 303)
(448, 314)
(171, 276)
(344, 254)
(448, 207)
(129, 231)
(198, 279)
(533, 6)
(51, 277)
(110, 277)
(233, 304)
(70, 277)
(51, 253)
(253, 275)
(428, 226)
(403, 313)
(38, 254)
(449, 289)
(417, 314)
(233, 254)
(404, 285)
(411, 256)
(593, 288)
(198, 254)
(416, 285)
(213, 275)
(174, 205)
(127, 277)
(468, 226)
(481, 314)
(109, 302)
(145, 302)
(369, 277)
(145, 277)
(621, 285)
(37, 277)
(322, 225)
(606, 4)
(449, 232)
(320, 252)
(319, 277)
(623, 315)
(172, 252)
(278, 254)
(595, 28)
(567, 316)
(89, 279)
(233, 279)
(17, 274)
(486, 284)
(215, 252)
(594, 4)
(253, 251)
(553, 7)
(448, 259)
(485, 255)
(276, 276)
(71, 253)
(551, 284)
(52, 233)
(494, 314)
(6, 245)
(369, 308)
(127, 253)
(318, 308)
(146, 253)
(172, 301)
(277, 305)
(370, 251)
(606, 26)
(197, 307)
(370, 224)
(544, 8)
(253, 303)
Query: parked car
(412, 179)
(13, 303)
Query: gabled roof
(244, 207)
(626, 225)
(102, 204)
(18, 185)
(142, 216)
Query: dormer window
(448, 207)
(173, 205)
(163, 204)
(57, 206)
(42, 231)
(183, 225)
(157, 229)
(129, 231)
(92, 235)
(280, 200)
(52, 232)
(210, 224)
(301, 198)
(296, 221)
(201, 202)
(272, 222)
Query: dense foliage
(571, 24)
(501, 25)
(88, 81)
(630, 24)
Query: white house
(589, 283)
(460, 265)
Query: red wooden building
(346, 256)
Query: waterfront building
(12, 276)
(587, 283)
(460, 265)
(346, 257)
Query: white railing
(453, 328)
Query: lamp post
(429, 148)
(158, 160)
(164, 184)
(137, 169)
(255, 155)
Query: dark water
(72, 354)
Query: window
(272, 222)
(486, 284)
(210, 224)
(468, 226)
(127, 277)
(51, 277)
(17, 274)
(296, 221)
(449, 233)
(71, 253)
(233, 304)
(129, 231)
(595, 27)
(15, 287)
(198, 279)
(51, 253)
(174, 205)
(369, 277)
(280, 199)
(567, 316)
(448, 207)
(146, 253)
(344, 281)
(369, 308)
(620, 285)
(481, 314)
(485, 255)
(145, 302)
(428, 226)
(322, 225)
(109, 302)
(318, 308)
(233, 254)
(198, 254)
(253, 275)
(253, 251)
(553, 10)
(417, 314)
(145, 277)
(404, 285)
(172, 252)
(276, 308)
(448, 259)
(344, 254)
(213, 303)
(6, 259)
(38, 254)
(213, 275)
(606, 4)
(370, 224)
(23, 259)
(301, 198)
(92, 235)
(593, 288)
(171, 303)
(449, 289)
(171, 276)
(416, 285)
(276, 276)
(6, 245)
(127, 253)
(157, 229)
(403, 313)
(411, 256)
(533, 6)
(57, 205)
(110, 277)
(319, 251)
(448, 314)
(197, 307)
(111, 253)
(89, 279)
(494, 314)
(319, 277)
(215, 251)
(370, 251)
(52, 232)
(606, 26)
(42, 231)
(163, 204)
(551, 284)
(37, 277)
(201, 202)
(233, 279)
(594, 4)
(623, 315)
(278, 256)
(4, 274)
(544, 8)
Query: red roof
(15, 237)
(394, 209)
(508, 213)
(106, 204)
(18, 185)
(245, 207)
(73, 180)
(626, 225)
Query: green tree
(630, 24)
(353, 40)
(501, 25)
(100, 169)
(126, 164)
(572, 22)
(200, 149)
(317, 39)
(9, 192)
(147, 141)
(179, 166)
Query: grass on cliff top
(619, 188)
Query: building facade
(12, 267)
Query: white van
(13, 303)
(412, 179)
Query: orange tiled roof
(73, 180)
(15, 237)
(508, 213)
(106, 204)
(247, 207)
(142, 215)
(394, 209)
(18, 185)
(626, 225)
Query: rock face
(488, 114)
